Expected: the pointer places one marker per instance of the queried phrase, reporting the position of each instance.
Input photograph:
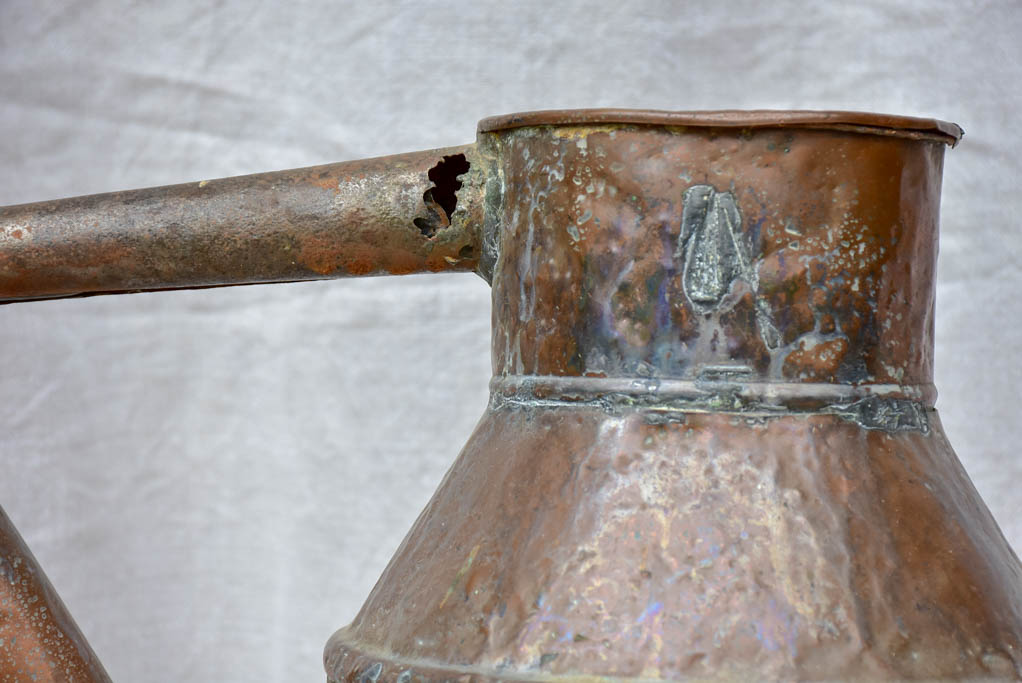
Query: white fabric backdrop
(215, 479)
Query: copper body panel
(710, 450)
(39, 640)
(577, 542)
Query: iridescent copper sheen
(711, 449)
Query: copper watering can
(710, 450)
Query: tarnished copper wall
(584, 541)
(835, 285)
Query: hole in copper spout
(442, 198)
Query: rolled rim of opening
(849, 121)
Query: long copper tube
(389, 215)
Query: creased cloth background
(214, 480)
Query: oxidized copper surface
(356, 218)
(711, 449)
(825, 263)
(569, 541)
(39, 640)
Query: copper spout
(408, 213)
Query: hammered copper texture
(572, 541)
(844, 227)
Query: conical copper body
(711, 449)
